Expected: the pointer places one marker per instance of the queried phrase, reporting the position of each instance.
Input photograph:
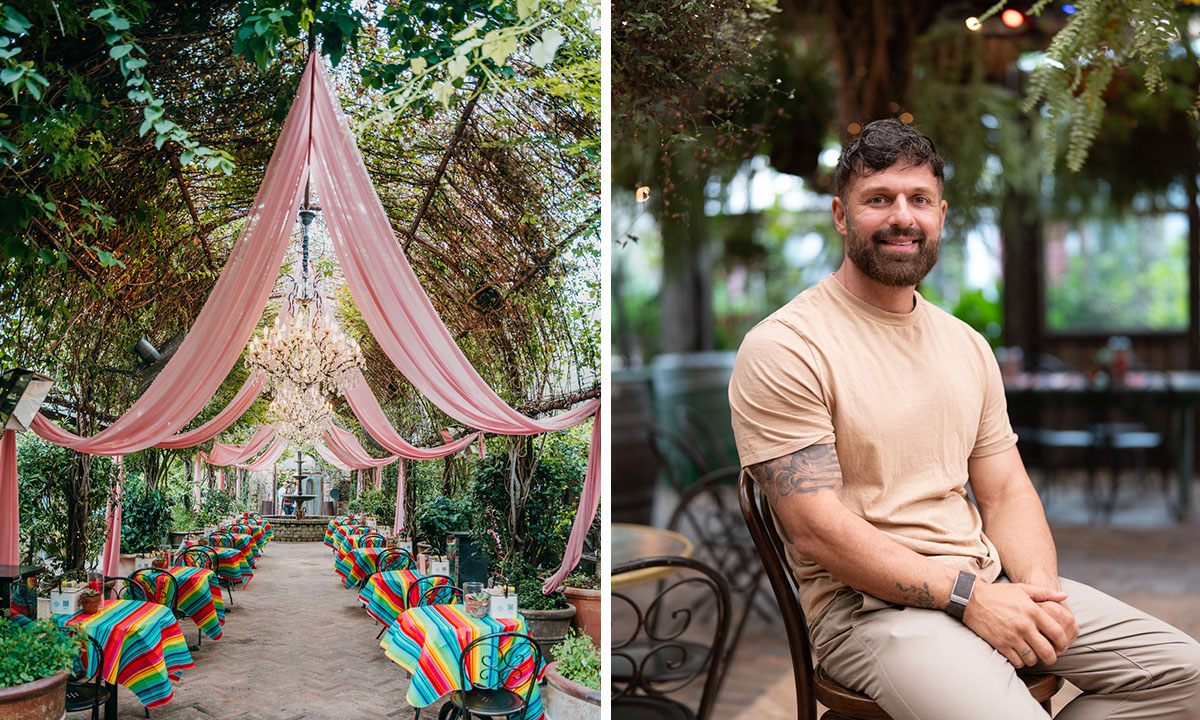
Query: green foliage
(579, 660)
(438, 516)
(528, 582)
(145, 517)
(216, 505)
(522, 520)
(581, 580)
(43, 473)
(33, 651)
(380, 503)
(1098, 41)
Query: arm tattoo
(916, 596)
(811, 470)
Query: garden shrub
(33, 651)
(579, 660)
(145, 517)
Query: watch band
(961, 594)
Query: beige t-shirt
(905, 398)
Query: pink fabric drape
(196, 479)
(392, 301)
(237, 486)
(378, 478)
(228, 317)
(110, 558)
(223, 454)
(366, 408)
(589, 502)
(360, 481)
(237, 407)
(330, 458)
(220, 479)
(346, 447)
(398, 520)
(10, 520)
(269, 457)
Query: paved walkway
(297, 646)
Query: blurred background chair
(660, 647)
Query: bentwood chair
(657, 649)
(206, 556)
(708, 514)
(394, 559)
(86, 688)
(813, 685)
(491, 690)
(371, 539)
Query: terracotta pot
(90, 605)
(548, 627)
(563, 699)
(44, 699)
(587, 611)
(158, 563)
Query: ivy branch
(131, 59)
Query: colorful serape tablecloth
(341, 528)
(256, 533)
(354, 542)
(428, 642)
(240, 541)
(199, 597)
(231, 564)
(386, 594)
(144, 649)
(356, 565)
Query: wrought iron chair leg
(417, 714)
(382, 630)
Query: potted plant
(583, 593)
(34, 660)
(89, 602)
(548, 617)
(572, 690)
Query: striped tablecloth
(256, 533)
(199, 597)
(428, 642)
(338, 530)
(386, 594)
(240, 541)
(357, 565)
(144, 649)
(231, 564)
(354, 542)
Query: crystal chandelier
(305, 358)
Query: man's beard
(890, 268)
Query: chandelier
(304, 357)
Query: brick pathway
(297, 645)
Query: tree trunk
(686, 300)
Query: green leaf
(152, 112)
(15, 22)
(10, 75)
(119, 23)
(120, 51)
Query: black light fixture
(21, 394)
(146, 352)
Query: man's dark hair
(882, 144)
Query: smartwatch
(961, 594)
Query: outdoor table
(336, 530)
(256, 533)
(349, 543)
(231, 564)
(1180, 389)
(386, 594)
(240, 541)
(144, 649)
(634, 542)
(428, 642)
(199, 597)
(356, 565)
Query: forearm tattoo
(811, 470)
(916, 596)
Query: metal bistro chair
(656, 658)
(206, 554)
(86, 687)
(371, 539)
(813, 685)
(491, 692)
(394, 559)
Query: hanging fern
(1102, 37)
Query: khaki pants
(925, 665)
